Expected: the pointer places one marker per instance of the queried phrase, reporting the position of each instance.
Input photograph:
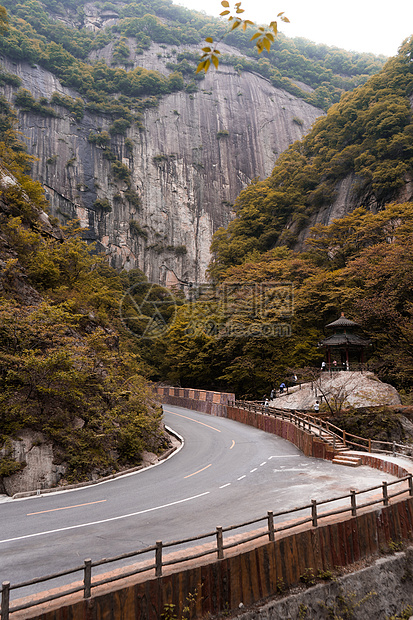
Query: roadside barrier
(216, 548)
(325, 430)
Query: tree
(263, 37)
(4, 20)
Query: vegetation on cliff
(360, 264)
(67, 367)
(367, 135)
(54, 36)
(239, 339)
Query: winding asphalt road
(226, 473)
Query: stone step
(350, 461)
(339, 445)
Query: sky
(376, 26)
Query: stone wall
(213, 403)
(382, 590)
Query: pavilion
(344, 347)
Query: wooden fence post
(385, 494)
(158, 558)
(270, 515)
(369, 445)
(5, 600)
(410, 482)
(353, 503)
(220, 543)
(314, 512)
(87, 578)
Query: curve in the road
(225, 473)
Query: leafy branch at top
(263, 37)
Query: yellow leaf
(280, 14)
(209, 40)
(206, 49)
(200, 67)
(285, 19)
(267, 44)
(275, 29)
(255, 36)
(215, 61)
(225, 3)
(270, 36)
(224, 13)
(235, 25)
(239, 11)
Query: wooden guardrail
(314, 425)
(217, 547)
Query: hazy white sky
(376, 26)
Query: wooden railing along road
(324, 430)
(262, 527)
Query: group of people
(282, 388)
(344, 365)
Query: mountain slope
(72, 389)
(148, 156)
(359, 155)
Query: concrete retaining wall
(307, 443)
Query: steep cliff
(195, 154)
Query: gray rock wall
(186, 174)
(40, 471)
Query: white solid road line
(132, 514)
(285, 456)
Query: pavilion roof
(343, 322)
(350, 340)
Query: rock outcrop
(352, 388)
(39, 470)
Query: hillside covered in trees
(67, 368)
(55, 35)
(360, 263)
(366, 137)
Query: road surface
(226, 473)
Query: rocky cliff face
(196, 153)
(346, 200)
